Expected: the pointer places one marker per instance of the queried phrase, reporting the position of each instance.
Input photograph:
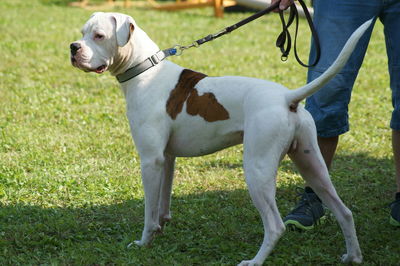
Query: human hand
(284, 4)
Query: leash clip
(178, 49)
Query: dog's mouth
(74, 61)
(101, 69)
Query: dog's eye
(98, 36)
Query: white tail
(295, 96)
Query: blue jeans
(335, 21)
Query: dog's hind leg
(262, 189)
(166, 189)
(311, 165)
(262, 154)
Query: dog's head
(103, 37)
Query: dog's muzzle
(75, 47)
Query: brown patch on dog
(206, 105)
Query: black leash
(285, 37)
(237, 25)
(284, 40)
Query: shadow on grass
(210, 228)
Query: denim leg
(390, 18)
(335, 21)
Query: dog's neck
(138, 49)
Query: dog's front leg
(152, 174)
(166, 189)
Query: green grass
(70, 188)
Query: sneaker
(395, 211)
(307, 212)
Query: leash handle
(285, 38)
(314, 36)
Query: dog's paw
(351, 259)
(164, 219)
(248, 263)
(147, 237)
(136, 243)
(141, 243)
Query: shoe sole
(293, 224)
(394, 222)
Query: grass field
(70, 188)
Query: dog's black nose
(74, 47)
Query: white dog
(176, 112)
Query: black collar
(145, 65)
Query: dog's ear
(124, 27)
